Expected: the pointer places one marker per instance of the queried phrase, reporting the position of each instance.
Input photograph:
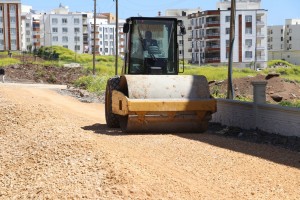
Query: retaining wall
(266, 117)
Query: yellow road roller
(149, 95)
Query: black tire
(112, 119)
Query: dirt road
(55, 147)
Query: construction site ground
(53, 146)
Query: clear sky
(278, 10)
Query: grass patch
(8, 61)
(218, 73)
(95, 84)
(290, 104)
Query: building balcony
(260, 23)
(210, 24)
(215, 47)
(212, 13)
(259, 47)
(212, 60)
(36, 36)
(36, 44)
(261, 58)
(260, 35)
(212, 36)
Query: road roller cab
(149, 95)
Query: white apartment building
(210, 32)
(184, 43)
(284, 41)
(10, 25)
(30, 31)
(105, 37)
(63, 30)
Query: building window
(248, 30)
(1, 30)
(65, 38)
(227, 19)
(106, 37)
(227, 43)
(248, 54)
(227, 30)
(13, 31)
(111, 37)
(76, 20)
(27, 25)
(76, 39)
(281, 39)
(106, 43)
(1, 42)
(55, 38)
(64, 20)
(66, 46)
(281, 46)
(248, 18)
(54, 21)
(290, 38)
(12, 19)
(12, 8)
(54, 30)
(13, 42)
(281, 31)
(65, 30)
(77, 30)
(248, 42)
(106, 50)
(27, 32)
(77, 47)
(27, 39)
(111, 30)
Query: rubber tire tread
(112, 119)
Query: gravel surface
(55, 147)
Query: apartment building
(210, 30)
(284, 41)
(10, 25)
(105, 37)
(63, 30)
(30, 31)
(183, 42)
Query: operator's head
(148, 35)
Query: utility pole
(231, 42)
(117, 38)
(94, 44)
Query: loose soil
(276, 87)
(56, 147)
(243, 89)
